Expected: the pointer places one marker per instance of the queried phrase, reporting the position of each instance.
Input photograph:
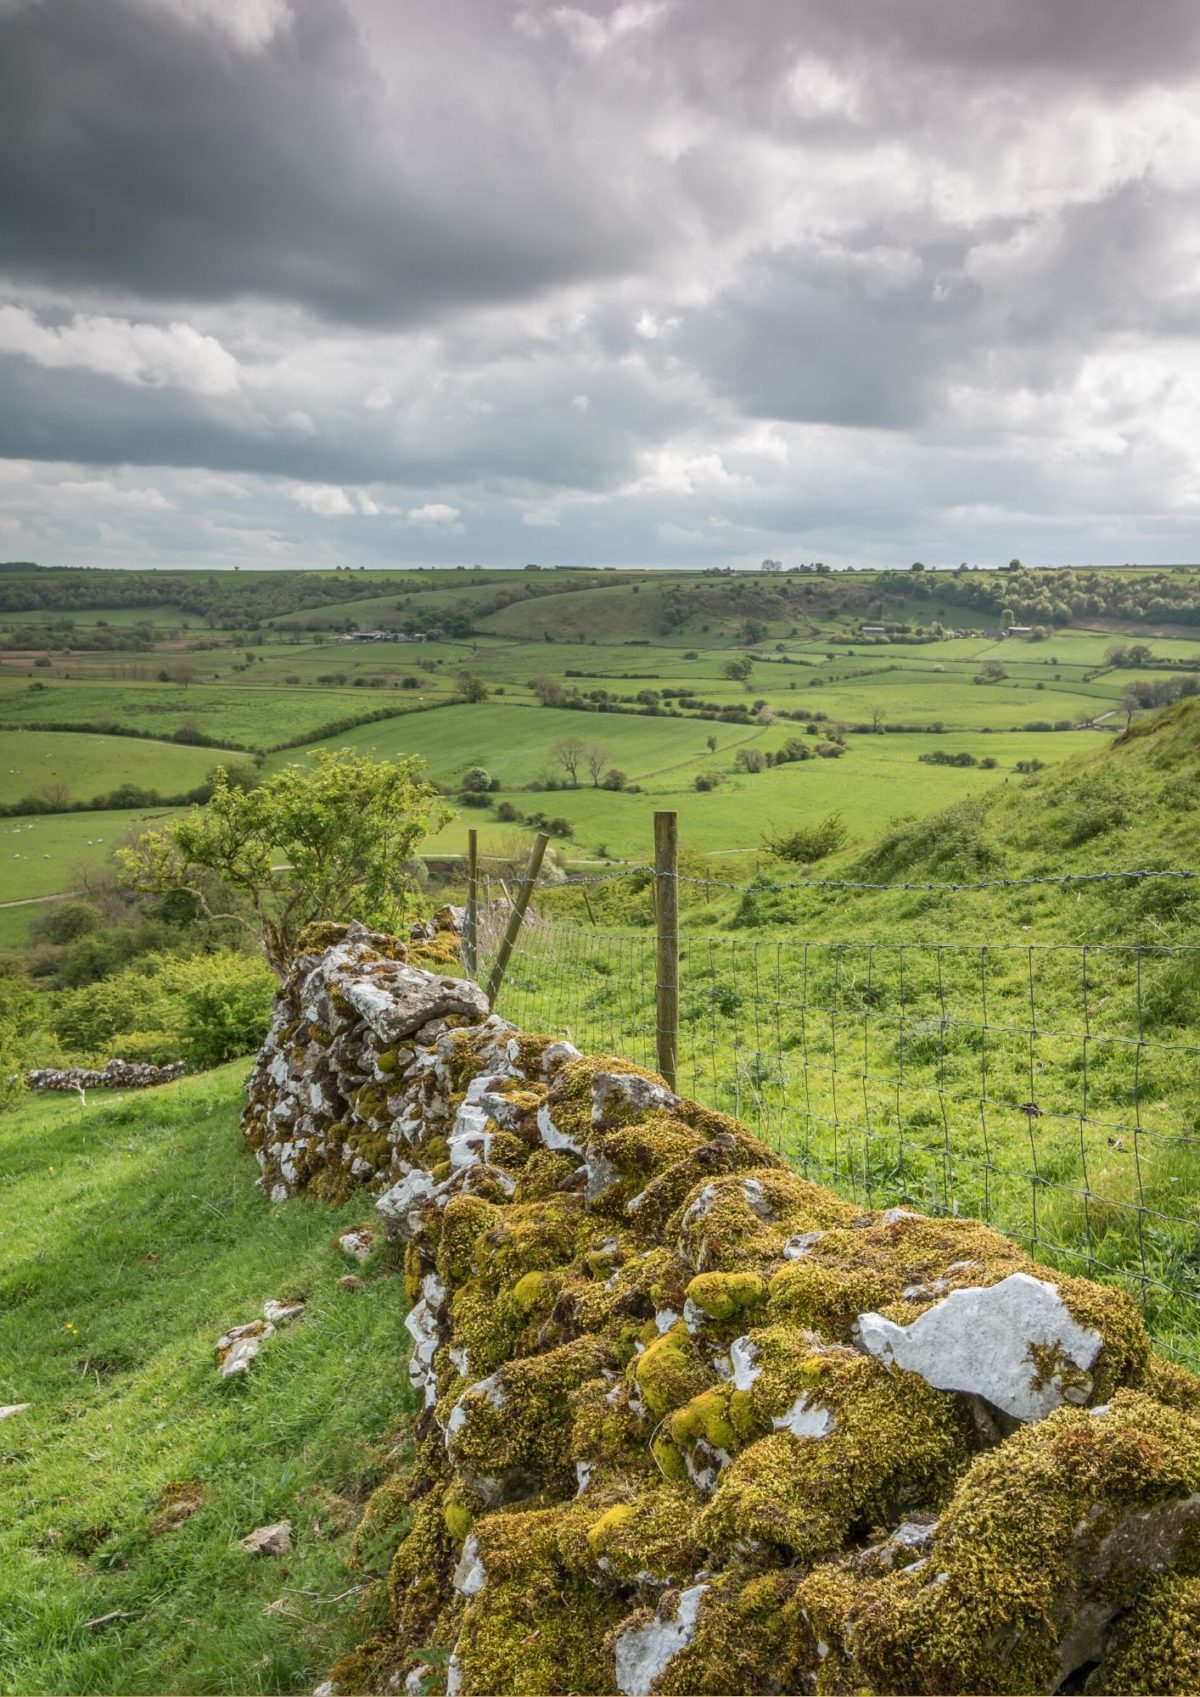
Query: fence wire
(1052, 1090)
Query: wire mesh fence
(1052, 1090)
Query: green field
(879, 780)
(279, 673)
(88, 766)
(253, 717)
(134, 1237)
(45, 854)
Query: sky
(653, 282)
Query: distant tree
(711, 742)
(1014, 566)
(750, 760)
(917, 566)
(740, 669)
(476, 779)
(325, 842)
(549, 691)
(877, 718)
(570, 752)
(596, 758)
(472, 688)
(183, 674)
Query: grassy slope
(133, 1237)
(887, 1038)
(93, 765)
(45, 854)
(250, 716)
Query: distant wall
(693, 1423)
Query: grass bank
(134, 1236)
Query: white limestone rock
(994, 1343)
(643, 1652)
(806, 1419)
(237, 1347)
(470, 1575)
(274, 1540)
(405, 1000)
(279, 1313)
(358, 1242)
(399, 1207)
(627, 1096)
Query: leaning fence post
(471, 927)
(509, 940)
(666, 943)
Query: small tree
(596, 757)
(739, 670)
(569, 752)
(476, 779)
(327, 842)
(472, 688)
(711, 743)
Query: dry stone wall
(694, 1424)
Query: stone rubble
(237, 1347)
(273, 1540)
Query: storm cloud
(660, 281)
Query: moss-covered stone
(534, 1627)
(858, 1445)
(509, 1434)
(670, 1371)
(1156, 1646)
(1066, 1515)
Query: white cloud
(155, 356)
(591, 35)
(250, 25)
(328, 500)
(103, 489)
(540, 518)
(580, 403)
(378, 398)
(433, 513)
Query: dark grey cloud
(636, 278)
(140, 153)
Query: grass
(50, 852)
(878, 783)
(890, 1040)
(134, 1236)
(92, 765)
(253, 717)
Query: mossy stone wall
(662, 1447)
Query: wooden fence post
(508, 942)
(471, 925)
(666, 943)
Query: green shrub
(809, 842)
(67, 921)
(203, 1009)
